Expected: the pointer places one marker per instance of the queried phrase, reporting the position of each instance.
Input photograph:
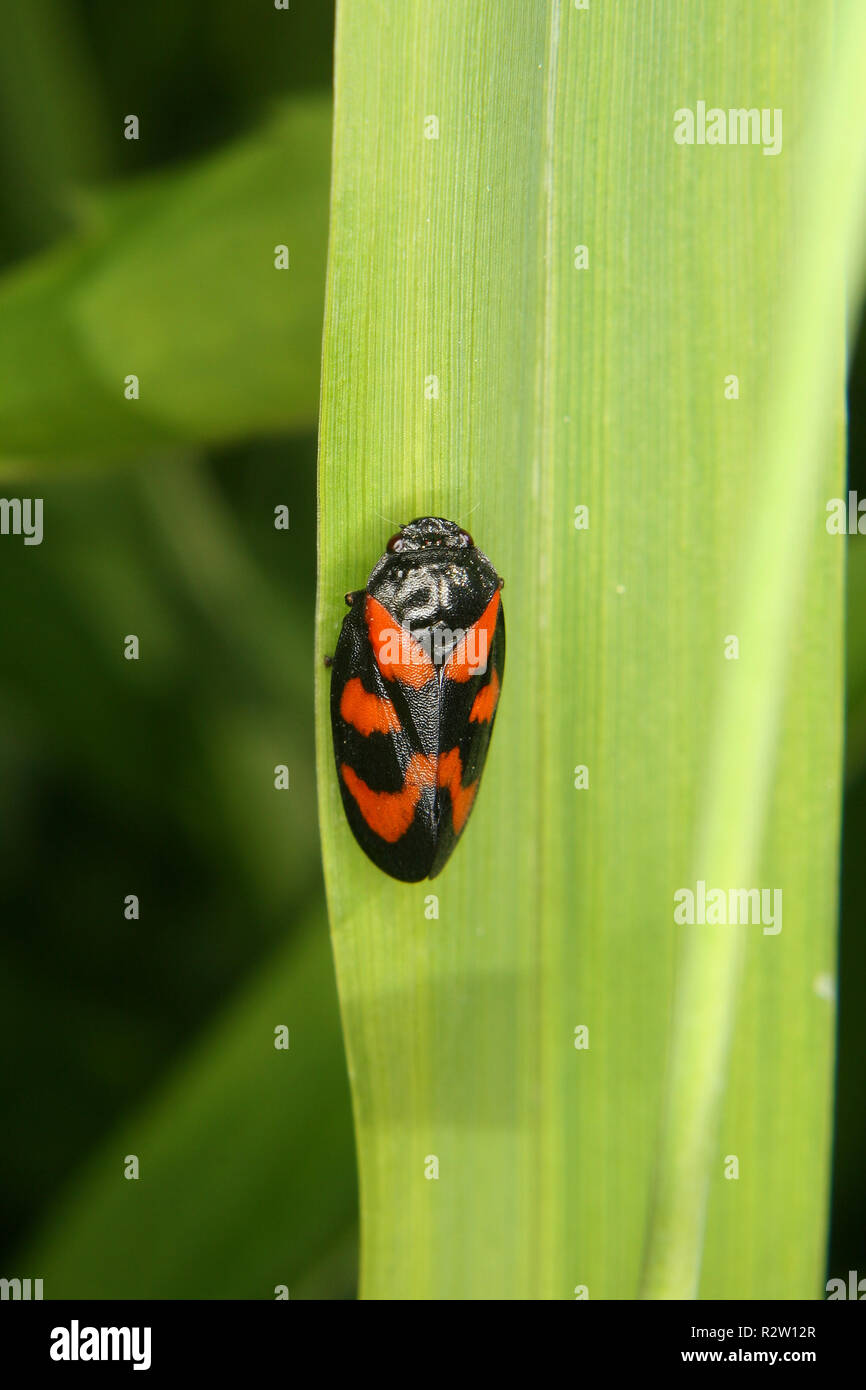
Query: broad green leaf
(246, 1175)
(472, 367)
(173, 279)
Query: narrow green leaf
(560, 1167)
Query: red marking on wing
(390, 814)
(398, 655)
(485, 702)
(451, 777)
(366, 712)
(470, 656)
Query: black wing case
(467, 714)
(387, 779)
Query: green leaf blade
(561, 1167)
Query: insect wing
(467, 709)
(384, 748)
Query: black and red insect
(415, 681)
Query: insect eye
(468, 539)
(395, 543)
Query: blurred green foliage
(227, 1209)
(172, 278)
(156, 778)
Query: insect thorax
(437, 591)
